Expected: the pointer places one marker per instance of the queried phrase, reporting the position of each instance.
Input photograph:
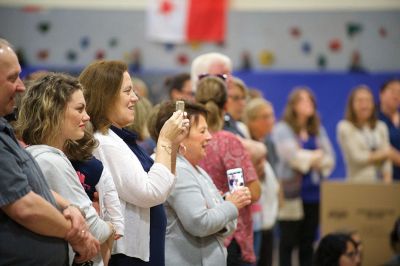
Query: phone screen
(180, 105)
(235, 178)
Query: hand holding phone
(241, 197)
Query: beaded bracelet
(167, 148)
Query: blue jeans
(257, 238)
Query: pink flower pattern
(82, 178)
(225, 151)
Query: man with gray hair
(240, 248)
(211, 64)
(33, 231)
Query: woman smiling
(199, 218)
(142, 184)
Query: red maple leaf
(166, 7)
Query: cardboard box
(371, 209)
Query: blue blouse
(89, 173)
(309, 189)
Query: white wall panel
(239, 5)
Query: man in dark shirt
(32, 230)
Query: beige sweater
(356, 151)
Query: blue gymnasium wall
(331, 90)
(119, 32)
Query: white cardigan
(356, 151)
(110, 207)
(137, 190)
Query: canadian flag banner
(180, 21)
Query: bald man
(33, 230)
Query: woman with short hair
(199, 219)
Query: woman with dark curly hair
(336, 250)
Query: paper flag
(169, 47)
(295, 32)
(335, 45)
(266, 58)
(306, 48)
(353, 29)
(195, 46)
(113, 42)
(382, 32)
(85, 42)
(71, 55)
(44, 27)
(100, 54)
(245, 61)
(136, 60)
(182, 59)
(321, 62)
(42, 54)
(221, 44)
(31, 8)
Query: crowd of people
(93, 174)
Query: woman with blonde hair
(142, 184)
(53, 113)
(260, 119)
(225, 151)
(364, 140)
(306, 157)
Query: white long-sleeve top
(137, 190)
(110, 207)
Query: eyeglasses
(264, 116)
(237, 98)
(223, 77)
(351, 255)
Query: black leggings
(267, 247)
(123, 260)
(299, 234)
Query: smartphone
(180, 105)
(235, 178)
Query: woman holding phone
(143, 184)
(198, 218)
